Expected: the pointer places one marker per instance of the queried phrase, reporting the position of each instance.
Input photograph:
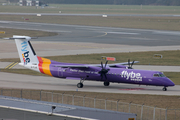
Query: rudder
(26, 52)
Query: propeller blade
(132, 63)
(103, 71)
(101, 64)
(129, 62)
(106, 63)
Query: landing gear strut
(164, 88)
(106, 83)
(80, 85)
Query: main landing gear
(106, 83)
(80, 85)
(164, 88)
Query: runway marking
(102, 35)
(11, 65)
(166, 32)
(125, 33)
(130, 89)
(176, 15)
(138, 38)
(4, 22)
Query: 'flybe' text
(131, 76)
(25, 55)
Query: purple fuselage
(116, 75)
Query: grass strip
(93, 9)
(170, 58)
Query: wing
(92, 65)
(124, 63)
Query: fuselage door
(60, 72)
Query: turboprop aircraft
(115, 73)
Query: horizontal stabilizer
(20, 37)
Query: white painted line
(167, 32)
(39, 15)
(176, 15)
(4, 22)
(104, 15)
(125, 33)
(140, 38)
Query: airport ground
(163, 40)
(148, 17)
(95, 9)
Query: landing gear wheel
(106, 83)
(80, 85)
(164, 89)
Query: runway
(19, 81)
(74, 39)
(105, 35)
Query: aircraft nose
(170, 83)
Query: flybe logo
(25, 54)
(131, 76)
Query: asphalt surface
(105, 35)
(9, 80)
(74, 39)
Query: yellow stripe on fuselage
(46, 66)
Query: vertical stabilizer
(26, 52)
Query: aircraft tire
(106, 83)
(80, 85)
(164, 89)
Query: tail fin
(26, 52)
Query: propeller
(103, 71)
(130, 64)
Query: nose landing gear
(164, 88)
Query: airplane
(115, 73)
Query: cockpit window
(159, 75)
(156, 75)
